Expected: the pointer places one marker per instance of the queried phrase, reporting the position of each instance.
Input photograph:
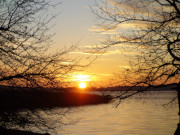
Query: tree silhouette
(25, 59)
(154, 30)
(24, 45)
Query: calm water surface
(133, 117)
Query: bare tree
(25, 60)
(154, 29)
(24, 44)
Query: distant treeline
(170, 87)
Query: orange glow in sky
(76, 25)
(80, 77)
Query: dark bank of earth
(35, 98)
(14, 99)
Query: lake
(137, 116)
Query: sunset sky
(77, 24)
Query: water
(133, 117)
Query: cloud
(93, 47)
(115, 30)
(110, 30)
(108, 33)
(83, 76)
(104, 28)
(96, 52)
(67, 63)
(124, 50)
(89, 52)
(124, 66)
(123, 9)
(145, 8)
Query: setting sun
(82, 85)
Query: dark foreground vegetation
(38, 98)
(4, 131)
(14, 100)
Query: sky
(76, 24)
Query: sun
(82, 85)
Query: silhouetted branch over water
(149, 29)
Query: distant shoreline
(171, 87)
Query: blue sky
(74, 21)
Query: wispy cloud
(141, 7)
(83, 76)
(100, 29)
(114, 30)
(122, 51)
(124, 66)
(67, 63)
(110, 30)
(112, 52)
(89, 52)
